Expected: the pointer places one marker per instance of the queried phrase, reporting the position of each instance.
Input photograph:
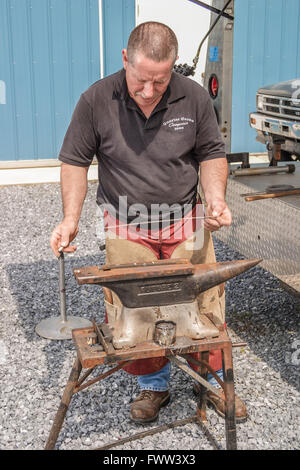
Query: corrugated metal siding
(49, 54)
(118, 22)
(266, 50)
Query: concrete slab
(51, 174)
(25, 176)
(259, 158)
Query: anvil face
(155, 292)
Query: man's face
(146, 79)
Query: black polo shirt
(151, 161)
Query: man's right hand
(62, 236)
(74, 188)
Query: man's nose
(148, 90)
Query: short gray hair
(154, 40)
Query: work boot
(219, 405)
(146, 406)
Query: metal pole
(150, 432)
(62, 287)
(61, 327)
(195, 376)
(263, 170)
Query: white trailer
(268, 227)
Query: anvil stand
(90, 356)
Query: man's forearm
(213, 179)
(73, 189)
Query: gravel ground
(35, 370)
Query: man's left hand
(221, 211)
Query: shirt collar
(177, 90)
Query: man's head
(148, 61)
(155, 41)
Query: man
(150, 129)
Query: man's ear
(125, 59)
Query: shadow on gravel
(35, 290)
(265, 316)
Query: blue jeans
(159, 381)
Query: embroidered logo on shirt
(178, 124)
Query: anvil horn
(162, 283)
(207, 276)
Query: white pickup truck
(277, 120)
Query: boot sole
(149, 420)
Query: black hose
(187, 70)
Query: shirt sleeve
(209, 142)
(81, 142)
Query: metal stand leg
(230, 425)
(203, 390)
(64, 405)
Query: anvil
(169, 287)
(163, 282)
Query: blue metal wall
(266, 50)
(49, 54)
(118, 21)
